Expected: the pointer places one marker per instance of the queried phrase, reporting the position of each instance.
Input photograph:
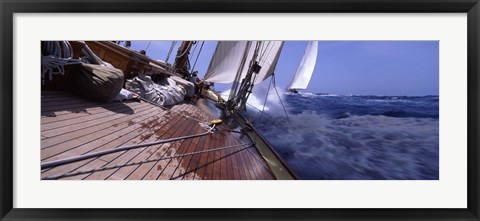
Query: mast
(182, 63)
(236, 82)
(244, 64)
(247, 83)
(263, 58)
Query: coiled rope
(59, 54)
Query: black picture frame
(9, 7)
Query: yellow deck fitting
(217, 121)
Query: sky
(390, 68)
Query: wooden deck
(72, 126)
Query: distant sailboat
(305, 68)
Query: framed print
(240, 110)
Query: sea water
(339, 137)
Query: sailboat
(305, 69)
(140, 139)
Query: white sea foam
(328, 95)
(225, 94)
(253, 101)
(356, 147)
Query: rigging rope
(211, 129)
(274, 86)
(198, 55)
(265, 102)
(118, 149)
(148, 46)
(258, 109)
(194, 49)
(145, 161)
(267, 48)
(191, 55)
(170, 51)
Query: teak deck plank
(139, 136)
(126, 156)
(194, 160)
(85, 118)
(188, 146)
(48, 110)
(229, 159)
(111, 125)
(164, 168)
(232, 174)
(216, 172)
(137, 155)
(84, 124)
(88, 142)
(168, 166)
(78, 108)
(119, 138)
(250, 156)
(240, 159)
(184, 147)
(147, 153)
(171, 165)
(90, 111)
(200, 170)
(207, 174)
(152, 170)
(248, 160)
(233, 160)
(72, 126)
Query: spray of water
(256, 101)
(318, 146)
(343, 137)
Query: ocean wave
(327, 95)
(317, 146)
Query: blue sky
(391, 68)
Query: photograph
(239, 110)
(256, 110)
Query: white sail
(231, 61)
(228, 56)
(225, 61)
(305, 68)
(267, 58)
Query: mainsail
(269, 52)
(244, 64)
(305, 68)
(228, 55)
(225, 61)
